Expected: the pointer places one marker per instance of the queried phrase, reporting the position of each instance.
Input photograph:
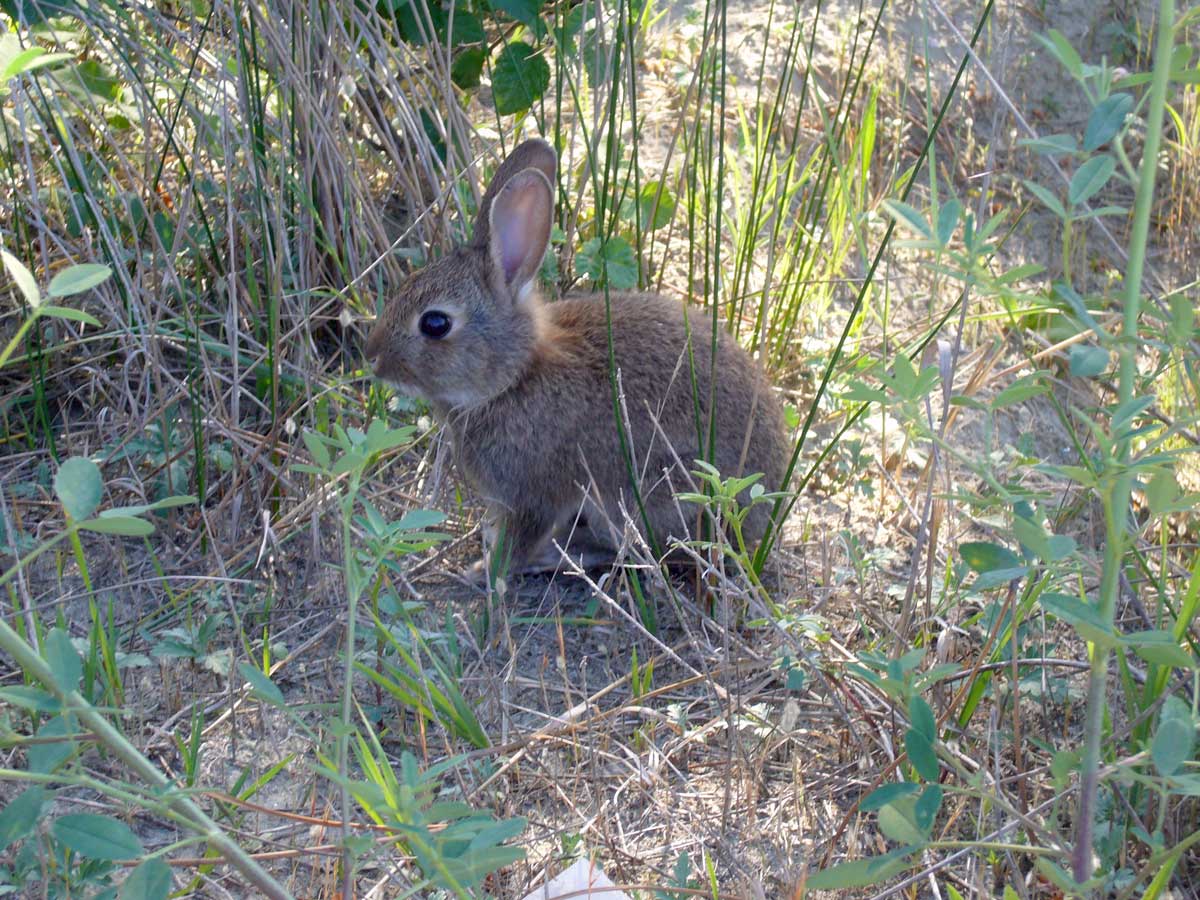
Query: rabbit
(523, 387)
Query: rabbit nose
(373, 350)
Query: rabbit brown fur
(524, 386)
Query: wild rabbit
(523, 386)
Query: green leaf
(616, 254)
(1183, 318)
(947, 220)
(921, 755)
(77, 279)
(65, 312)
(861, 872)
(1162, 491)
(653, 217)
(1175, 737)
(896, 823)
(63, 660)
(1062, 50)
(79, 486)
(55, 745)
(466, 29)
(261, 684)
(922, 718)
(420, 519)
(23, 277)
(98, 79)
(1087, 361)
(1064, 293)
(1106, 120)
(149, 881)
(30, 60)
(1159, 647)
(887, 793)
(524, 11)
(520, 76)
(909, 216)
(983, 556)
(97, 837)
(1083, 617)
(1051, 144)
(31, 698)
(138, 509)
(20, 816)
(126, 526)
(1090, 178)
(1048, 199)
(467, 68)
(926, 808)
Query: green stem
(1116, 501)
(33, 664)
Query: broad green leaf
(1175, 737)
(261, 684)
(947, 220)
(1183, 319)
(1065, 294)
(922, 718)
(909, 216)
(316, 448)
(614, 253)
(466, 29)
(1061, 48)
(896, 822)
(1106, 120)
(921, 755)
(887, 793)
(63, 659)
(1048, 199)
(861, 872)
(1090, 178)
(984, 556)
(77, 279)
(55, 745)
(1162, 491)
(652, 217)
(97, 837)
(127, 526)
(20, 816)
(1087, 361)
(138, 509)
(65, 312)
(28, 697)
(1051, 144)
(524, 11)
(520, 76)
(467, 68)
(30, 60)
(1083, 617)
(1160, 648)
(149, 881)
(420, 519)
(926, 808)
(24, 279)
(79, 486)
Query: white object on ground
(583, 876)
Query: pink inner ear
(520, 226)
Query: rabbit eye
(434, 324)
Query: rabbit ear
(519, 228)
(533, 154)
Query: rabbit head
(462, 330)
